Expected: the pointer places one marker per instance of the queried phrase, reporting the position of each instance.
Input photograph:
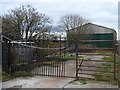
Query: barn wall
(93, 32)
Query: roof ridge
(99, 26)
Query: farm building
(92, 32)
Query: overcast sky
(101, 12)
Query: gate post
(76, 49)
(119, 62)
(115, 49)
(9, 57)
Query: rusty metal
(95, 70)
(93, 66)
(96, 54)
(96, 48)
(89, 60)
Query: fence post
(9, 57)
(1, 56)
(119, 62)
(76, 49)
(115, 47)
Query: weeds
(6, 77)
(21, 74)
(80, 80)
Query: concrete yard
(52, 82)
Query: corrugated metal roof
(106, 28)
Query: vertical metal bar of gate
(76, 48)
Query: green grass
(69, 57)
(6, 77)
(107, 58)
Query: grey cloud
(98, 11)
(109, 7)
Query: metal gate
(33, 57)
(88, 57)
(96, 57)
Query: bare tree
(24, 20)
(72, 21)
(44, 33)
(75, 27)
